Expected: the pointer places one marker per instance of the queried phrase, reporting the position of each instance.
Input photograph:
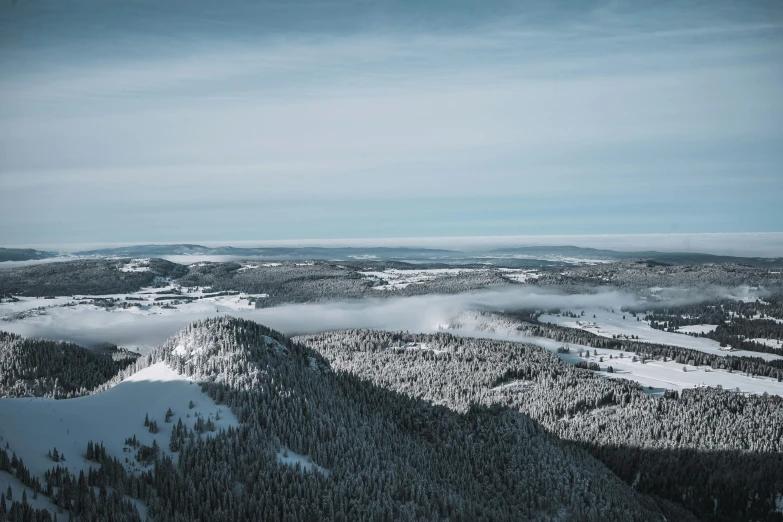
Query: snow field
(423, 347)
(654, 374)
(697, 328)
(772, 343)
(34, 426)
(141, 303)
(17, 488)
(395, 278)
(608, 323)
(136, 265)
(659, 375)
(519, 275)
(291, 458)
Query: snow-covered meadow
(393, 278)
(520, 275)
(697, 328)
(32, 427)
(654, 375)
(610, 322)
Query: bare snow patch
(423, 347)
(772, 343)
(519, 275)
(273, 343)
(136, 265)
(395, 278)
(293, 459)
(697, 328)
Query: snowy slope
(656, 374)
(17, 489)
(520, 275)
(697, 328)
(660, 375)
(608, 323)
(33, 426)
(772, 343)
(293, 459)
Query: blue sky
(141, 121)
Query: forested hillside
(754, 326)
(289, 282)
(279, 282)
(86, 276)
(41, 368)
(308, 281)
(719, 454)
(23, 254)
(366, 453)
(642, 275)
(527, 323)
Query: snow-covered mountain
(289, 432)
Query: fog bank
(88, 327)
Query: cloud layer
(416, 314)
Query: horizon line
(743, 244)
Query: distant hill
(284, 253)
(673, 258)
(523, 256)
(513, 257)
(23, 254)
(86, 277)
(42, 368)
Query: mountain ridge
(431, 462)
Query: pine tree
(174, 441)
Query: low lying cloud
(90, 327)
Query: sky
(145, 121)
